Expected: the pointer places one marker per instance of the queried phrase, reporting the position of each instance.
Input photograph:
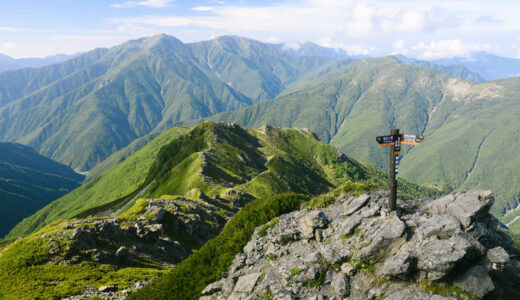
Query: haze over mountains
(8, 63)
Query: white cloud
(203, 8)
(447, 48)
(273, 40)
(350, 18)
(351, 49)
(291, 46)
(7, 47)
(147, 3)
(399, 48)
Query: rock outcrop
(355, 249)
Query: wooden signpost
(394, 140)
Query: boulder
(340, 285)
(348, 226)
(438, 257)
(476, 281)
(497, 258)
(384, 242)
(415, 294)
(348, 269)
(354, 205)
(213, 288)
(470, 206)
(246, 283)
(313, 220)
(498, 255)
(313, 257)
(443, 226)
(400, 265)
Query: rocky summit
(447, 248)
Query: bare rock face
(476, 281)
(354, 249)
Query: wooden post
(394, 140)
(392, 176)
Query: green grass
(320, 280)
(135, 211)
(187, 279)
(119, 181)
(27, 271)
(446, 290)
(271, 225)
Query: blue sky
(424, 29)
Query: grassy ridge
(471, 129)
(113, 184)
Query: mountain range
(488, 66)
(8, 63)
(81, 111)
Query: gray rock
(497, 255)
(356, 204)
(414, 293)
(76, 233)
(340, 285)
(443, 226)
(333, 254)
(438, 206)
(470, 206)
(313, 220)
(476, 281)
(213, 288)
(384, 242)
(107, 289)
(246, 283)
(313, 257)
(122, 251)
(350, 224)
(438, 257)
(400, 265)
(348, 269)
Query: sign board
(410, 139)
(385, 140)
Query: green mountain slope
(212, 159)
(80, 111)
(161, 203)
(471, 129)
(117, 182)
(258, 70)
(29, 181)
